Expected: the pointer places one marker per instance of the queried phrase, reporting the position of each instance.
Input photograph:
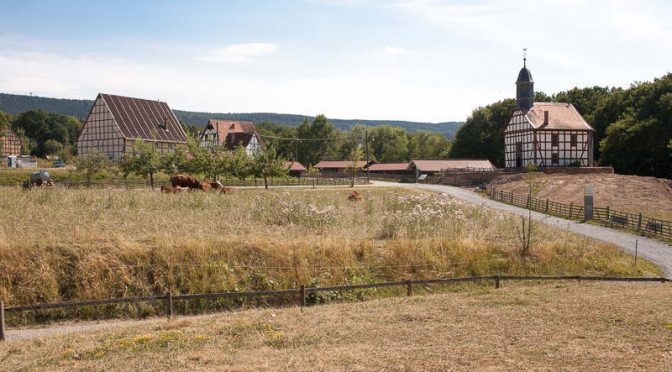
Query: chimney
(545, 117)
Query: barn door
(519, 155)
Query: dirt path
(653, 250)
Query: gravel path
(653, 250)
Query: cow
(170, 190)
(185, 181)
(216, 185)
(205, 187)
(226, 190)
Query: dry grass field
(61, 244)
(561, 326)
(648, 195)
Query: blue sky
(425, 60)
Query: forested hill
(15, 104)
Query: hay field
(61, 244)
(562, 326)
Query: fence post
(529, 201)
(409, 288)
(2, 320)
(496, 281)
(571, 209)
(607, 218)
(639, 223)
(169, 304)
(302, 294)
(501, 195)
(546, 209)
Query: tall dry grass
(60, 244)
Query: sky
(419, 60)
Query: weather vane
(524, 56)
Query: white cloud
(395, 51)
(239, 53)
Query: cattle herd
(179, 183)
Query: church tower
(525, 88)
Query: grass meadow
(58, 244)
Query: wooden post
(169, 304)
(607, 218)
(636, 251)
(546, 210)
(302, 294)
(639, 223)
(529, 201)
(496, 281)
(571, 209)
(409, 288)
(2, 320)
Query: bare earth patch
(563, 326)
(648, 195)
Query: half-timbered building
(546, 134)
(115, 123)
(10, 144)
(231, 135)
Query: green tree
(52, 147)
(481, 136)
(287, 149)
(268, 164)
(238, 164)
(90, 164)
(38, 127)
(144, 160)
(428, 145)
(320, 141)
(637, 141)
(389, 144)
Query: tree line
(633, 126)
(318, 140)
(145, 160)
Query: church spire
(525, 86)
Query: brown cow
(226, 190)
(170, 190)
(185, 181)
(205, 187)
(216, 185)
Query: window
(555, 159)
(572, 140)
(554, 140)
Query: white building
(547, 134)
(231, 135)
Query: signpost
(588, 192)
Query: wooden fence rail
(169, 298)
(612, 218)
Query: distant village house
(10, 144)
(231, 135)
(295, 168)
(545, 134)
(433, 166)
(116, 122)
(340, 166)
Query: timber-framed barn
(546, 134)
(116, 122)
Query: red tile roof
(339, 164)
(294, 166)
(389, 167)
(144, 119)
(224, 127)
(560, 116)
(438, 165)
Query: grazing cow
(216, 185)
(205, 187)
(185, 181)
(226, 190)
(170, 190)
(354, 196)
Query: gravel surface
(653, 250)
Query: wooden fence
(300, 293)
(638, 222)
